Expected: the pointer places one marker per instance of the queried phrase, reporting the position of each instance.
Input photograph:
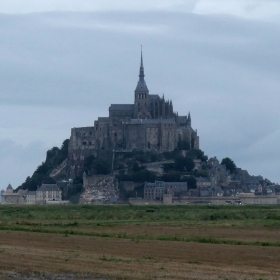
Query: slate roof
(49, 187)
(182, 119)
(154, 96)
(126, 107)
(9, 187)
(143, 121)
(31, 193)
(175, 184)
(103, 119)
(141, 86)
(202, 179)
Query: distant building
(202, 182)
(48, 192)
(10, 197)
(157, 168)
(45, 194)
(157, 190)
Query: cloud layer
(61, 70)
(253, 9)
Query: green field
(227, 230)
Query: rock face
(59, 171)
(99, 189)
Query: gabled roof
(141, 86)
(152, 121)
(182, 119)
(31, 193)
(126, 107)
(49, 187)
(154, 96)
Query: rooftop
(49, 187)
(127, 107)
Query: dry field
(65, 243)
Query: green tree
(183, 145)
(54, 157)
(182, 163)
(172, 176)
(197, 154)
(191, 182)
(189, 164)
(101, 166)
(230, 165)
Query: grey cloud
(71, 66)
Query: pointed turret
(189, 120)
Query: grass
(75, 213)
(126, 238)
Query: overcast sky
(64, 62)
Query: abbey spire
(141, 73)
(141, 85)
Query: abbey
(150, 123)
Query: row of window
(142, 96)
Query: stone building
(45, 194)
(48, 192)
(150, 123)
(157, 190)
(11, 197)
(202, 183)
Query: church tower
(141, 95)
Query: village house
(45, 194)
(157, 190)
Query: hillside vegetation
(54, 158)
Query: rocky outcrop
(59, 171)
(99, 189)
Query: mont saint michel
(150, 123)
